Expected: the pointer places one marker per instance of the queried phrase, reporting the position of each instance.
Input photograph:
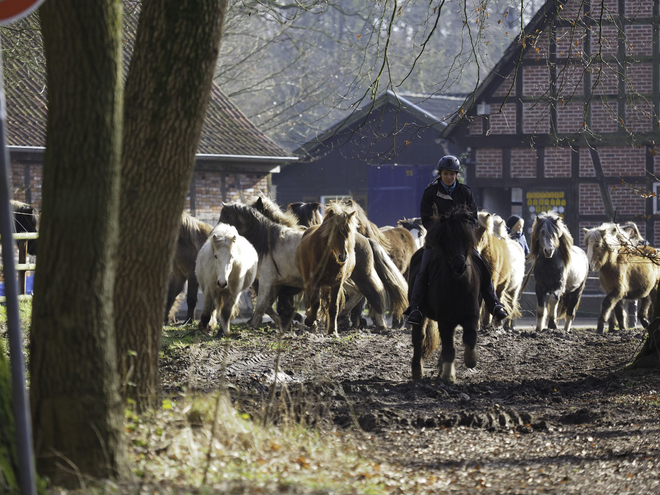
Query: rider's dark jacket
(435, 193)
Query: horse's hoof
(470, 357)
(600, 330)
(417, 371)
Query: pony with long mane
(400, 252)
(226, 266)
(625, 270)
(560, 271)
(271, 210)
(276, 247)
(325, 258)
(374, 276)
(506, 260)
(192, 235)
(453, 297)
(308, 214)
(26, 219)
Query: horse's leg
(418, 335)
(448, 352)
(620, 316)
(541, 310)
(265, 300)
(313, 304)
(470, 343)
(174, 288)
(230, 302)
(643, 310)
(207, 309)
(333, 308)
(609, 301)
(553, 302)
(191, 298)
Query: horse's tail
(569, 301)
(395, 285)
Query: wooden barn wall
(596, 135)
(340, 164)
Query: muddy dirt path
(542, 411)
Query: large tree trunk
(166, 96)
(8, 457)
(77, 410)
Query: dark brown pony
(192, 236)
(453, 296)
(325, 258)
(26, 219)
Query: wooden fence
(22, 266)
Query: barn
(567, 119)
(382, 155)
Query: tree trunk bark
(77, 410)
(166, 96)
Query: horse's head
(452, 236)
(339, 226)
(549, 235)
(602, 245)
(235, 214)
(223, 239)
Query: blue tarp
(29, 286)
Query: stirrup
(415, 317)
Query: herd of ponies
(337, 261)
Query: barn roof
(429, 110)
(226, 132)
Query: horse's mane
(308, 214)
(365, 226)
(223, 235)
(339, 216)
(272, 210)
(192, 231)
(550, 224)
(456, 224)
(261, 231)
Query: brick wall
(638, 8)
(503, 120)
(570, 41)
(19, 183)
(622, 160)
(656, 236)
(604, 41)
(476, 127)
(604, 116)
(639, 78)
(489, 163)
(639, 116)
(608, 8)
(535, 80)
(586, 165)
(639, 40)
(591, 202)
(536, 118)
(605, 79)
(626, 201)
(505, 88)
(557, 162)
(523, 163)
(570, 81)
(539, 49)
(570, 117)
(208, 191)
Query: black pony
(452, 297)
(26, 219)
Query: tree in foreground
(77, 411)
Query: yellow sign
(540, 201)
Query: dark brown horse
(453, 296)
(26, 219)
(192, 236)
(308, 214)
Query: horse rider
(446, 192)
(514, 226)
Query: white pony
(226, 266)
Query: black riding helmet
(449, 162)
